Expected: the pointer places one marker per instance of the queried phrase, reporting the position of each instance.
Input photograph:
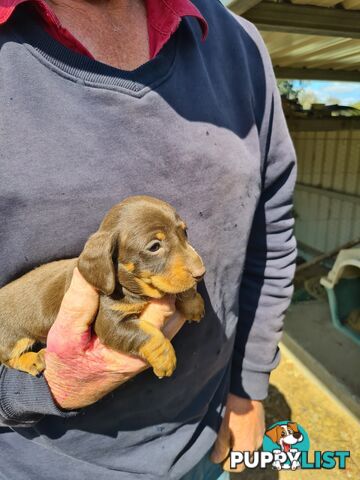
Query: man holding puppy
(106, 99)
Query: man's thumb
(221, 448)
(79, 305)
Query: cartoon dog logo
(286, 436)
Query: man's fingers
(120, 363)
(79, 305)
(173, 325)
(222, 446)
(226, 466)
(158, 311)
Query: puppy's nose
(199, 274)
(297, 435)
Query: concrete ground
(297, 395)
(333, 357)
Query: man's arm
(266, 286)
(79, 369)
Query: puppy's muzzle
(199, 274)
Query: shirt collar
(6, 9)
(163, 15)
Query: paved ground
(332, 356)
(294, 394)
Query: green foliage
(286, 87)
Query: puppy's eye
(186, 233)
(154, 246)
(283, 433)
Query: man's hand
(79, 369)
(242, 429)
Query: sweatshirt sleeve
(266, 287)
(25, 399)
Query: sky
(347, 92)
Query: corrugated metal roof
(318, 39)
(312, 51)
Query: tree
(286, 87)
(307, 98)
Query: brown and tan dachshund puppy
(140, 252)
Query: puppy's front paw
(198, 308)
(193, 309)
(160, 354)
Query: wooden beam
(331, 124)
(308, 20)
(317, 74)
(242, 6)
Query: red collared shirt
(163, 18)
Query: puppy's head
(285, 435)
(142, 245)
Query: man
(110, 98)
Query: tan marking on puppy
(158, 351)
(160, 236)
(149, 290)
(30, 362)
(130, 267)
(147, 280)
(176, 280)
(129, 307)
(145, 276)
(21, 346)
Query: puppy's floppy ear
(274, 433)
(96, 263)
(293, 426)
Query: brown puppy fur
(139, 252)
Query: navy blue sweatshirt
(200, 126)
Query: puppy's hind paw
(30, 362)
(38, 363)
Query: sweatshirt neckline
(91, 72)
